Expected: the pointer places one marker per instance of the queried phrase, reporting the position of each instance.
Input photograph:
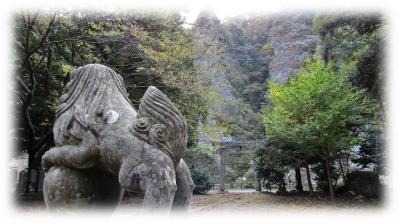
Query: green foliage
(320, 22)
(315, 109)
(202, 182)
(354, 44)
(249, 186)
(320, 176)
(312, 119)
(370, 153)
(202, 159)
(270, 165)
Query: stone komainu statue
(103, 146)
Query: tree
(202, 182)
(354, 44)
(35, 87)
(146, 48)
(202, 158)
(370, 153)
(271, 165)
(313, 112)
(203, 166)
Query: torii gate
(223, 149)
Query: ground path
(243, 201)
(250, 200)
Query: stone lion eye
(158, 133)
(142, 125)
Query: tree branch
(44, 37)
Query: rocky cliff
(239, 56)
(211, 41)
(292, 42)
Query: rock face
(292, 41)
(364, 182)
(211, 41)
(238, 56)
(103, 146)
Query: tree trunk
(47, 80)
(37, 179)
(222, 171)
(342, 171)
(299, 185)
(258, 183)
(29, 174)
(328, 175)
(310, 187)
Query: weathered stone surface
(292, 41)
(104, 145)
(364, 182)
(209, 29)
(185, 186)
(14, 179)
(68, 188)
(22, 179)
(41, 179)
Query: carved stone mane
(171, 132)
(89, 91)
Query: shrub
(202, 181)
(249, 186)
(202, 158)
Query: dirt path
(243, 201)
(262, 202)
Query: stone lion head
(95, 95)
(160, 123)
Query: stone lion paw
(46, 161)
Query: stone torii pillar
(224, 148)
(222, 153)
